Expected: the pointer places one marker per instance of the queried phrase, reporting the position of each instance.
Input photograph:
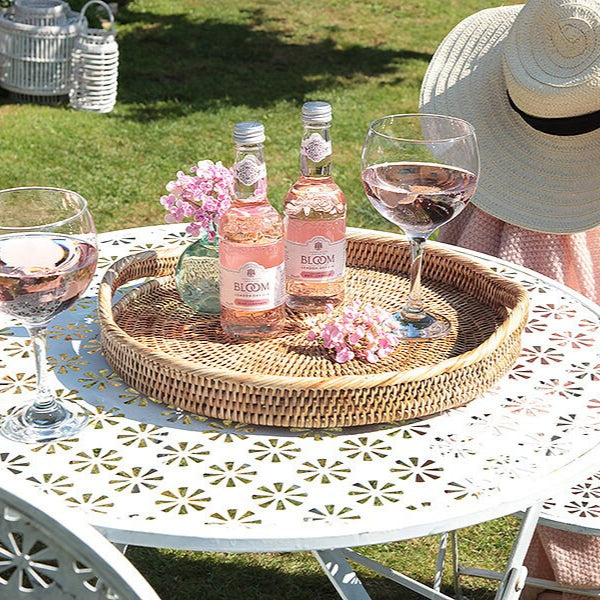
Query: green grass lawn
(189, 70)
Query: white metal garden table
(148, 474)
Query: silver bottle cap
(249, 132)
(316, 112)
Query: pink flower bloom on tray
(360, 331)
(203, 197)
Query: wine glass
(419, 172)
(48, 255)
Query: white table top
(148, 474)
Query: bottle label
(317, 260)
(252, 287)
(249, 170)
(315, 148)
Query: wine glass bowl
(419, 172)
(48, 256)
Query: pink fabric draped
(570, 559)
(572, 259)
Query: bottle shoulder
(251, 224)
(319, 196)
(251, 210)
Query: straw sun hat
(528, 78)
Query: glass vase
(197, 276)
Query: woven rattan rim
(373, 254)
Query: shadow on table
(172, 66)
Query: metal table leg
(341, 574)
(513, 580)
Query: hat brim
(528, 178)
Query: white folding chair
(48, 552)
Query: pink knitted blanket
(572, 259)
(570, 559)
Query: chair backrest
(47, 551)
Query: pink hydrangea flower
(203, 197)
(360, 331)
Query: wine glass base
(428, 326)
(17, 425)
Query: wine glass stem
(413, 308)
(44, 402)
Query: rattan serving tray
(165, 350)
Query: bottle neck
(250, 174)
(315, 150)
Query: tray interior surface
(157, 318)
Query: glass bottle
(315, 220)
(251, 252)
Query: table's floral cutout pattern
(55, 447)
(535, 325)
(587, 489)
(135, 480)
(96, 460)
(572, 339)
(330, 513)
(275, 450)
(417, 469)
(324, 471)
(227, 431)
(553, 311)
(583, 509)
(315, 434)
(69, 332)
(142, 435)
(101, 417)
(527, 406)
(411, 429)
(565, 389)
(232, 515)
(470, 489)
(541, 355)
(18, 383)
(453, 446)
(183, 454)
(586, 370)
(14, 463)
(174, 414)
(19, 349)
(50, 482)
(376, 492)
(549, 446)
(182, 500)
(230, 474)
(65, 363)
(90, 503)
(101, 380)
(510, 467)
(279, 495)
(365, 448)
(148, 461)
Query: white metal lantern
(95, 65)
(36, 43)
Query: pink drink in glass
(42, 274)
(418, 197)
